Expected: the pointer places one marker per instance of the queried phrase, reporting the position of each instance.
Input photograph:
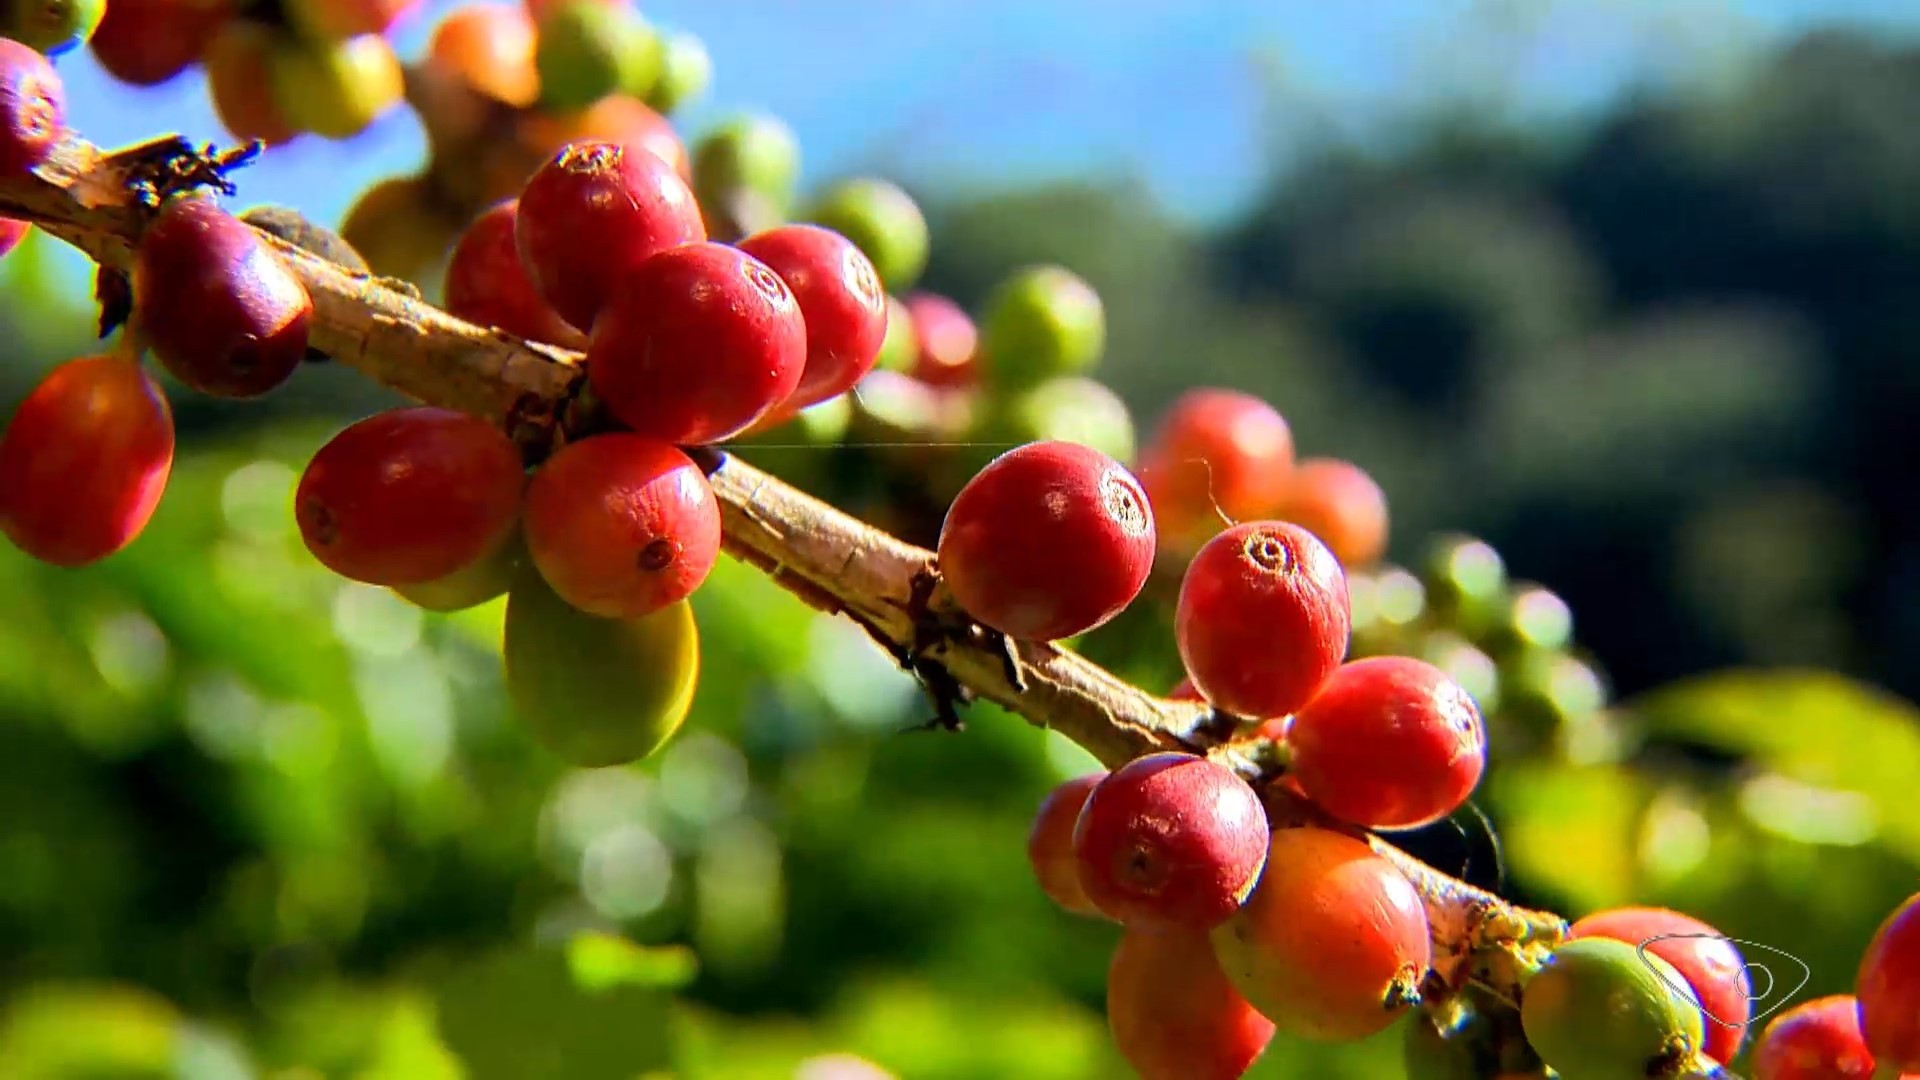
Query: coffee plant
(628, 324)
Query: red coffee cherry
(1715, 971)
(1050, 845)
(591, 214)
(1389, 742)
(1171, 841)
(1815, 1040)
(1184, 691)
(33, 108)
(1174, 1015)
(622, 525)
(488, 285)
(1333, 943)
(1263, 618)
(409, 496)
(841, 302)
(220, 310)
(1339, 503)
(696, 344)
(1050, 540)
(947, 338)
(1888, 986)
(148, 42)
(1215, 452)
(84, 461)
(12, 231)
(238, 63)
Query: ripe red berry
(84, 461)
(1263, 618)
(409, 496)
(33, 108)
(1333, 942)
(1815, 1040)
(488, 285)
(594, 212)
(1050, 540)
(947, 338)
(1184, 691)
(1339, 503)
(220, 310)
(622, 525)
(1172, 841)
(148, 42)
(841, 302)
(1174, 1015)
(1712, 966)
(1888, 986)
(1050, 845)
(697, 343)
(12, 231)
(1215, 452)
(1389, 742)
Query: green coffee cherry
(597, 692)
(1075, 410)
(686, 69)
(753, 152)
(486, 579)
(1603, 1008)
(881, 220)
(589, 49)
(1474, 670)
(1466, 583)
(902, 345)
(1041, 322)
(1542, 689)
(52, 26)
(1533, 617)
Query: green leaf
(602, 962)
(1548, 809)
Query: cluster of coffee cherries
(275, 69)
(1871, 1034)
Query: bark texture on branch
(99, 203)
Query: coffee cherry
(593, 213)
(1466, 582)
(840, 302)
(409, 496)
(338, 88)
(1048, 541)
(588, 49)
(622, 525)
(598, 692)
(945, 339)
(685, 70)
(1216, 452)
(336, 20)
(1533, 617)
(1050, 845)
(1339, 503)
(401, 227)
(1184, 691)
(1888, 986)
(1263, 618)
(1712, 966)
(33, 109)
(1171, 841)
(1041, 322)
(696, 344)
(486, 578)
(1333, 943)
(883, 221)
(84, 461)
(220, 309)
(1388, 742)
(52, 26)
(149, 42)
(490, 48)
(1600, 1007)
(1814, 1040)
(900, 350)
(616, 118)
(1174, 1015)
(488, 285)
(239, 63)
(302, 232)
(745, 169)
(12, 231)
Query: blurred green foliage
(259, 822)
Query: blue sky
(1001, 92)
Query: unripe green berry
(1599, 1007)
(52, 26)
(588, 49)
(686, 69)
(1072, 409)
(753, 152)
(1466, 582)
(901, 348)
(1533, 617)
(881, 220)
(1040, 322)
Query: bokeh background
(1631, 290)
